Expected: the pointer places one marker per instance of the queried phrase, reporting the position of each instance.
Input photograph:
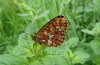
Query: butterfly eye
(52, 33)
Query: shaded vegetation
(20, 18)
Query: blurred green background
(20, 18)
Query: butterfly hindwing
(53, 32)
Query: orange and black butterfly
(53, 32)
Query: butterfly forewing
(53, 32)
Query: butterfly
(53, 32)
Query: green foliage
(78, 56)
(72, 42)
(19, 19)
(9, 59)
(95, 31)
(95, 45)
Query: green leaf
(96, 59)
(95, 45)
(88, 31)
(80, 57)
(36, 62)
(60, 50)
(9, 59)
(55, 55)
(31, 28)
(25, 46)
(51, 60)
(42, 15)
(73, 42)
(95, 31)
(60, 60)
(21, 51)
(25, 40)
(9, 48)
(55, 60)
(69, 56)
